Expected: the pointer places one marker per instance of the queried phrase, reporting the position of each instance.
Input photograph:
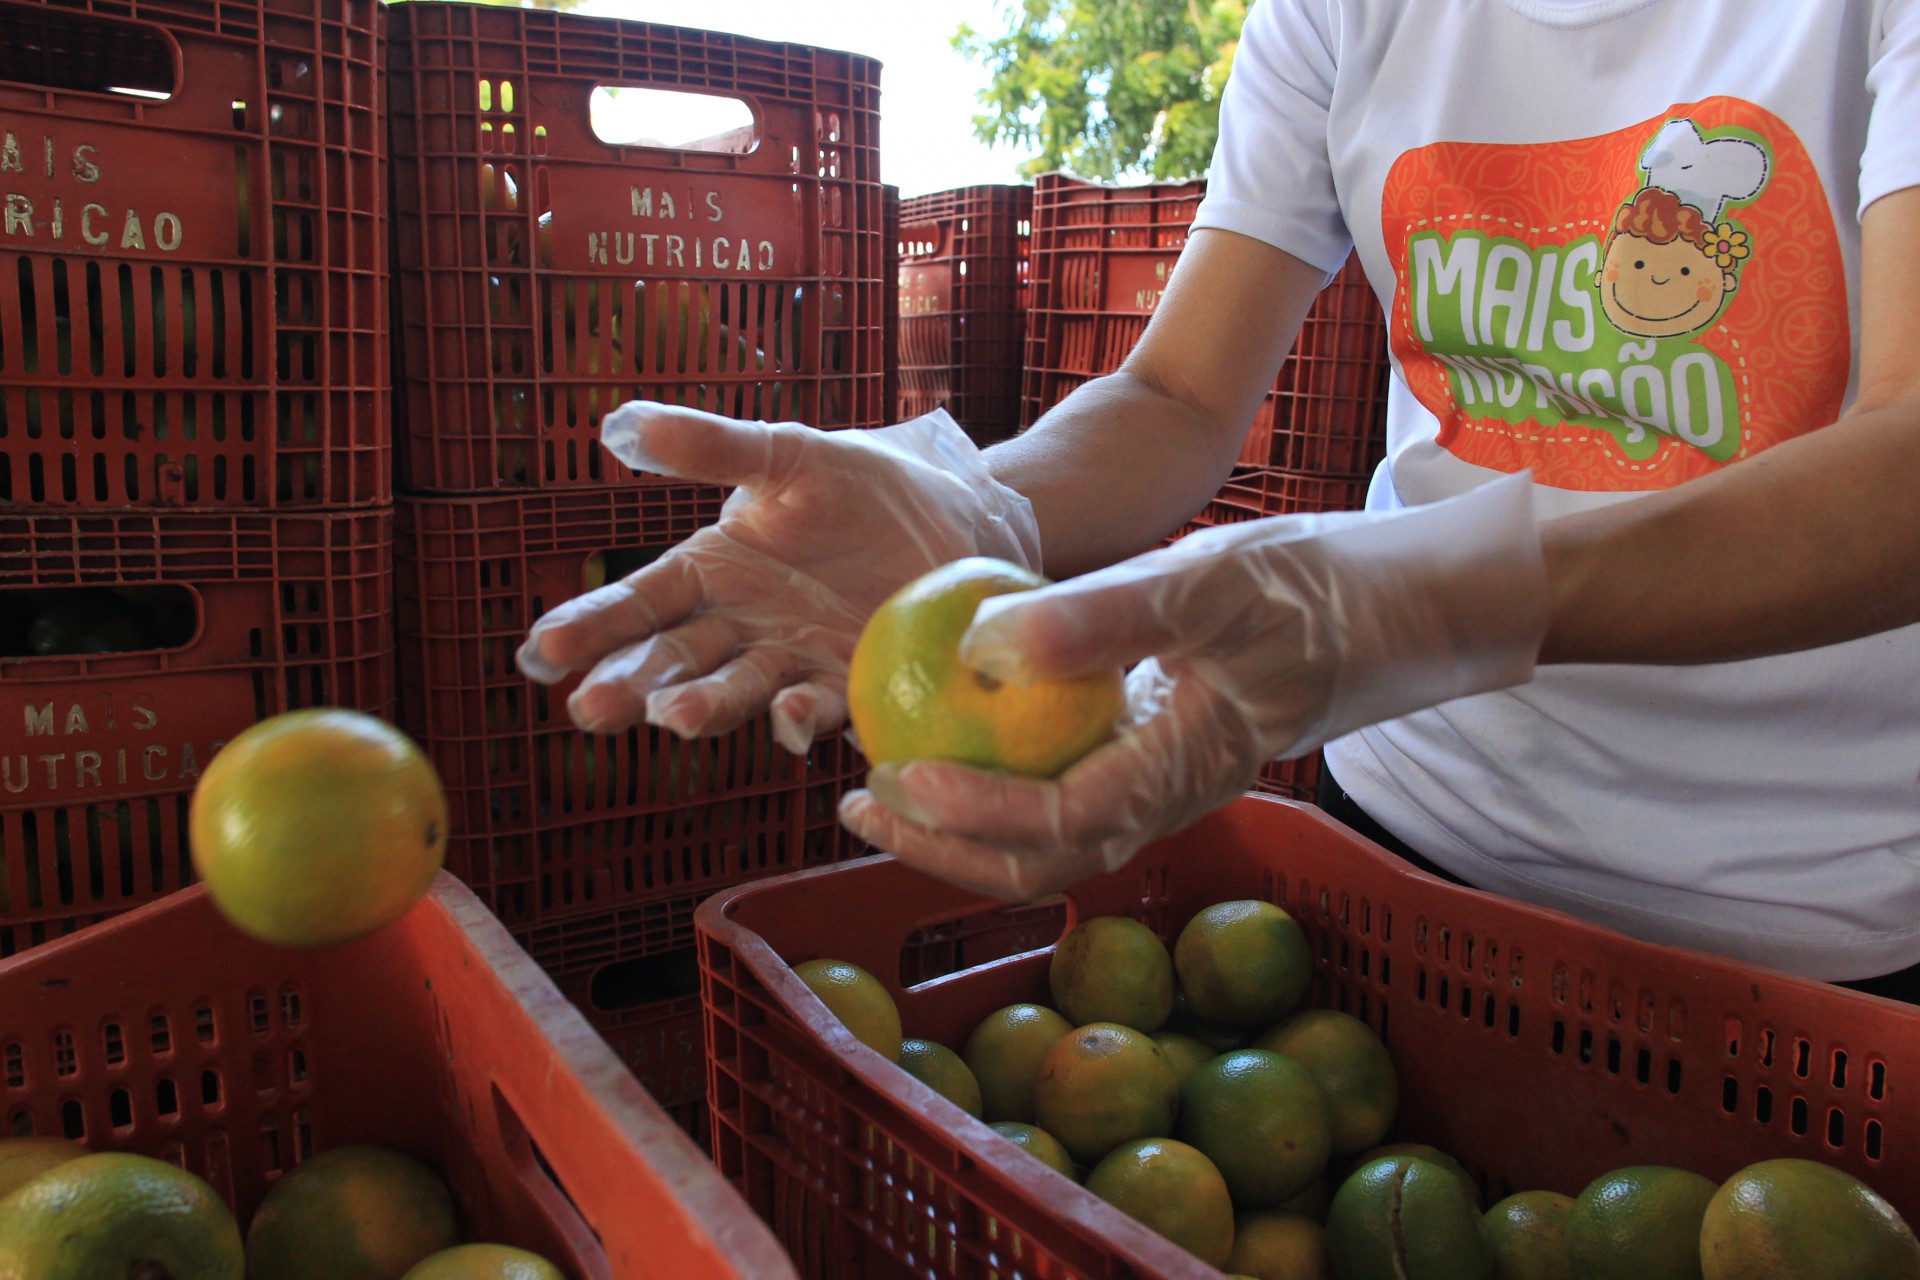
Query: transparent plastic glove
(761, 610)
(1268, 639)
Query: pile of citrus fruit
(352, 1213)
(1187, 1088)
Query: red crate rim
(696, 1183)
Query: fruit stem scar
(986, 681)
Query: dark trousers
(1903, 986)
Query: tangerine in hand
(911, 697)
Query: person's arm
(1813, 542)
(1125, 459)
(1274, 636)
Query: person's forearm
(1111, 470)
(1125, 459)
(1811, 543)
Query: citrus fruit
(1262, 1120)
(1313, 1202)
(1797, 1219)
(318, 826)
(856, 997)
(1405, 1219)
(1112, 969)
(1529, 1238)
(1432, 1155)
(1186, 1054)
(911, 698)
(1102, 1085)
(1639, 1223)
(24, 1159)
(485, 1262)
(113, 1216)
(1217, 1036)
(1004, 1053)
(1039, 1144)
(353, 1213)
(1243, 963)
(940, 1069)
(1269, 1244)
(1171, 1188)
(1351, 1066)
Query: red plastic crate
(633, 971)
(1540, 1050)
(1101, 258)
(943, 947)
(1327, 415)
(1268, 492)
(963, 287)
(548, 822)
(547, 276)
(193, 283)
(435, 1036)
(1297, 779)
(1253, 492)
(890, 243)
(99, 754)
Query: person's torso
(1617, 245)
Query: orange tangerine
(911, 698)
(318, 826)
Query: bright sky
(927, 91)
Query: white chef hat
(1705, 174)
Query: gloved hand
(1267, 639)
(761, 610)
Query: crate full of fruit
(1266, 1044)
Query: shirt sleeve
(1891, 161)
(1271, 177)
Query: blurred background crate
(1101, 259)
(546, 276)
(594, 849)
(962, 293)
(132, 646)
(549, 822)
(193, 292)
(890, 353)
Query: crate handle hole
(673, 121)
(626, 984)
(69, 622)
(537, 1173)
(615, 563)
(56, 49)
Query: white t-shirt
(1618, 242)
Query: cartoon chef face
(1662, 276)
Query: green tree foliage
(1108, 88)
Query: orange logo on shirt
(1623, 312)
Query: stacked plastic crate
(547, 274)
(1101, 258)
(963, 290)
(195, 518)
